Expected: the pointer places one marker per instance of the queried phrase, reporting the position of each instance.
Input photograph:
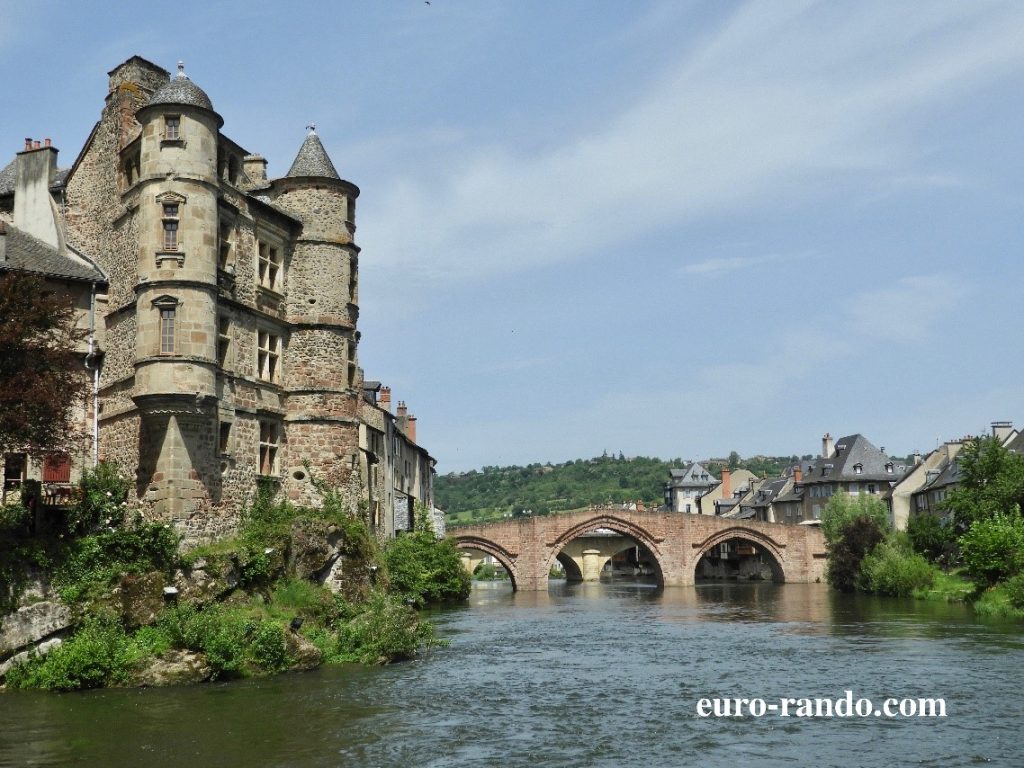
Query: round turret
(181, 91)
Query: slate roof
(851, 451)
(950, 475)
(29, 254)
(693, 474)
(767, 493)
(179, 89)
(9, 175)
(312, 160)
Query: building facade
(228, 330)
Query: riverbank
(106, 600)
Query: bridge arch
(496, 551)
(773, 548)
(612, 523)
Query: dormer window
(172, 127)
(858, 469)
(888, 467)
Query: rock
(306, 655)
(314, 547)
(174, 668)
(140, 598)
(20, 658)
(206, 584)
(32, 623)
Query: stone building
(229, 328)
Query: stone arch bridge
(529, 546)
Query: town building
(851, 465)
(226, 307)
(686, 486)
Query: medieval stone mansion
(222, 307)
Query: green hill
(540, 489)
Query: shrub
(892, 569)
(385, 630)
(993, 548)
(1014, 588)
(96, 561)
(425, 570)
(98, 654)
(101, 499)
(14, 519)
(853, 541)
(842, 509)
(931, 537)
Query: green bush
(425, 570)
(94, 562)
(853, 541)
(99, 654)
(384, 630)
(842, 509)
(892, 569)
(1014, 587)
(101, 500)
(993, 548)
(14, 519)
(931, 537)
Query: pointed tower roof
(312, 159)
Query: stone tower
(176, 296)
(322, 378)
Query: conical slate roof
(180, 90)
(312, 159)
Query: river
(588, 675)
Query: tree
(734, 460)
(853, 527)
(41, 375)
(992, 481)
(993, 548)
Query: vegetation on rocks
(254, 604)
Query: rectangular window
(57, 468)
(269, 441)
(170, 223)
(224, 248)
(172, 127)
(224, 438)
(872, 488)
(269, 266)
(167, 331)
(268, 356)
(223, 341)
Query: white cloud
(778, 103)
(908, 310)
(721, 265)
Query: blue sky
(665, 228)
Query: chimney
(726, 482)
(917, 458)
(411, 430)
(385, 398)
(403, 411)
(828, 447)
(34, 209)
(798, 474)
(3, 242)
(255, 167)
(1002, 430)
(402, 417)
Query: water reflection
(581, 675)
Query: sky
(663, 228)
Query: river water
(588, 675)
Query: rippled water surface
(585, 675)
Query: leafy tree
(931, 537)
(993, 548)
(423, 569)
(853, 527)
(842, 509)
(734, 460)
(992, 481)
(41, 376)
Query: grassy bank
(255, 604)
